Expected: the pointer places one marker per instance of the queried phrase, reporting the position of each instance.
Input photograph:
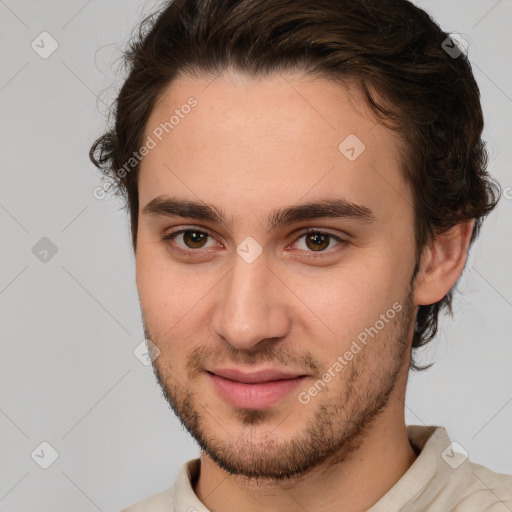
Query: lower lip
(254, 396)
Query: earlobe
(442, 263)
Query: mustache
(264, 352)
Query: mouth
(257, 391)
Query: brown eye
(189, 239)
(315, 244)
(317, 241)
(194, 239)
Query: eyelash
(169, 237)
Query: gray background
(70, 324)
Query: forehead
(260, 143)
(282, 109)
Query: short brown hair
(391, 49)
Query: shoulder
(467, 488)
(482, 487)
(444, 478)
(180, 495)
(161, 502)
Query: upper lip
(259, 376)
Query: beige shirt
(441, 479)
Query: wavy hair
(392, 50)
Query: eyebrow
(330, 208)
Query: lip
(260, 376)
(260, 390)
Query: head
(251, 122)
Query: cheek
(340, 305)
(173, 297)
(162, 292)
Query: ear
(442, 262)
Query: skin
(249, 147)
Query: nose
(251, 305)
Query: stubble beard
(337, 427)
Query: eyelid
(183, 229)
(341, 242)
(312, 229)
(297, 234)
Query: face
(269, 237)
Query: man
(304, 180)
